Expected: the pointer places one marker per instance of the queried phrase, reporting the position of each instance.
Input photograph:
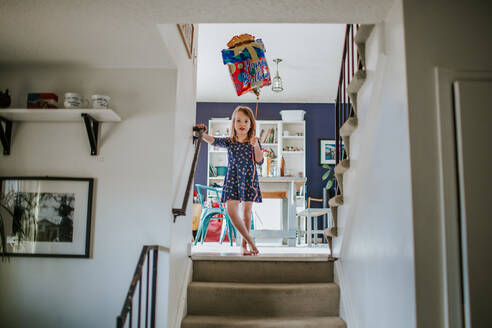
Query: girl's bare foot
(254, 250)
(244, 249)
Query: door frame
(449, 192)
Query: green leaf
(326, 175)
(329, 184)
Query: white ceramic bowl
(100, 101)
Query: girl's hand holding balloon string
(254, 141)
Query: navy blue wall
(320, 124)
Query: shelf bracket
(6, 135)
(92, 127)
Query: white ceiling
(124, 33)
(310, 69)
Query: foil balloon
(247, 64)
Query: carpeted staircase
(263, 292)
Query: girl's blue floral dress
(241, 179)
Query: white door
(473, 124)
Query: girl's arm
(257, 149)
(206, 137)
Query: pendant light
(277, 81)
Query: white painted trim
(345, 296)
(448, 189)
(182, 309)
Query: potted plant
(329, 177)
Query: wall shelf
(91, 117)
(57, 115)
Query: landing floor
(217, 251)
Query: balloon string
(257, 101)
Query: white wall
(375, 269)
(453, 35)
(132, 196)
(182, 159)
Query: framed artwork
(46, 216)
(187, 34)
(327, 151)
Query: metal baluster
(154, 288)
(131, 314)
(353, 67)
(344, 100)
(147, 294)
(337, 124)
(348, 77)
(139, 300)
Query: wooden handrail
(182, 211)
(127, 309)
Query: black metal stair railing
(197, 140)
(343, 107)
(140, 313)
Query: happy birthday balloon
(247, 64)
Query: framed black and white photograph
(43, 216)
(327, 151)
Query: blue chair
(209, 212)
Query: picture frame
(187, 32)
(327, 151)
(55, 215)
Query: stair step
(267, 299)
(342, 166)
(263, 271)
(349, 127)
(336, 201)
(199, 321)
(353, 100)
(357, 81)
(363, 33)
(360, 40)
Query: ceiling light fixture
(277, 81)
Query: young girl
(241, 180)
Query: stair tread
(336, 201)
(342, 166)
(348, 127)
(357, 81)
(262, 321)
(262, 257)
(263, 285)
(363, 33)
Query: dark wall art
(46, 216)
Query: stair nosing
(357, 81)
(363, 33)
(342, 166)
(349, 127)
(261, 258)
(336, 201)
(263, 285)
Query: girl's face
(242, 124)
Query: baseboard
(182, 308)
(346, 307)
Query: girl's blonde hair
(248, 112)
